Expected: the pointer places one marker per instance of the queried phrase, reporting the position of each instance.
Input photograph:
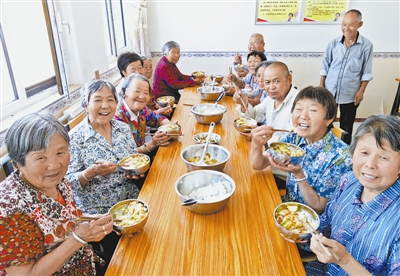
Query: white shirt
(279, 118)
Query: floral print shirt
(33, 224)
(324, 163)
(138, 128)
(168, 80)
(369, 231)
(86, 147)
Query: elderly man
(346, 68)
(256, 43)
(275, 110)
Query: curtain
(139, 37)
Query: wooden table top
(242, 239)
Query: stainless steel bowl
(164, 101)
(198, 74)
(216, 152)
(188, 182)
(311, 216)
(136, 170)
(116, 211)
(202, 117)
(287, 153)
(218, 78)
(208, 94)
(244, 124)
(252, 93)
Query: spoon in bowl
(210, 130)
(216, 102)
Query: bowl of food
(129, 215)
(198, 74)
(243, 124)
(210, 93)
(249, 92)
(218, 78)
(206, 113)
(238, 67)
(172, 129)
(214, 159)
(136, 164)
(165, 101)
(211, 190)
(285, 153)
(295, 221)
(226, 86)
(202, 137)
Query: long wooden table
(242, 239)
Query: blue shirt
(369, 231)
(86, 147)
(324, 164)
(345, 68)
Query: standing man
(346, 68)
(256, 43)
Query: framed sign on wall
(300, 11)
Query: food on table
(286, 149)
(292, 218)
(211, 192)
(135, 161)
(132, 214)
(202, 138)
(207, 159)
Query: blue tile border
(274, 54)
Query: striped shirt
(369, 231)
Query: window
(28, 55)
(115, 35)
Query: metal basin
(208, 93)
(205, 179)
(205, 118)
(216, 152)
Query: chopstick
(169, 134)
(80, 219)
(188, 104)
(280, 130)
(119, 164)
(324, 247)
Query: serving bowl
(290, 220)
(217, 158)
(164, 101)
(210, 93)
(211, 189)
(204, 117)
(252, 93)
(198, 74)
(202, 137)
(132, 215)
(285, 153)
(138, 163)
(243, 124)
(218, 78)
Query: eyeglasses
(254, 44)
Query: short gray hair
(168, 46)
(128, 81)
(381, 127)
(357, 12)
(32, 133)
(93, 86)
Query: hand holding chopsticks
(311, 229)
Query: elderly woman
(167, 77)
(131, 63)
(147, 67)
(327, 158)
(96, 147)
(361, 222)
(37, 207)
(254, 58)
(132, 110)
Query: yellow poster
(324, 10)
(278, 11)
